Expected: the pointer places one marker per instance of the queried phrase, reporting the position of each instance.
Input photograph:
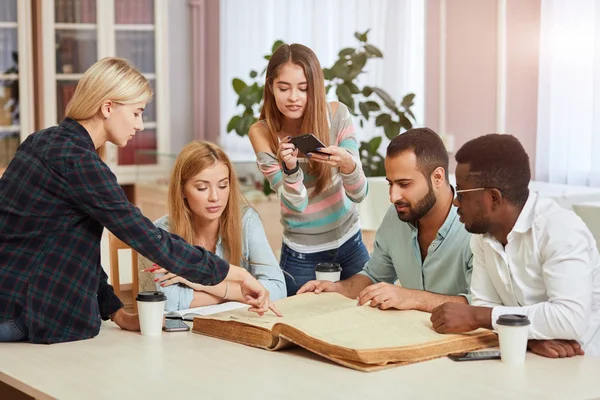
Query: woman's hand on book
(257, 297)
(318, 287)
(386, 295)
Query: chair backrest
(114, 245)
(590, 214)
(145, 279)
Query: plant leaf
(383, 119)
(358, 63)
(374, 144)
(233, 122)
(391, 130)
(405, 122)
(353, 88)
(345, 96)
(276, 45)
(367, 91)
(346, 52)
(364, 110)
(253, 74)
(373, 105)
(328, 74)
(362, 36)
(267, 187)
(407, 101)
(387, 99)
(244, 124)
(373, 51)
(238, 85)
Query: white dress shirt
(549, 271)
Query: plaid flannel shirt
(57, 195)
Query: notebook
(190, 313)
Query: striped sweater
(314, 223)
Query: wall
(180, 74)
(482, 69)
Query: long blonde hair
(194, 158)
(110, 78)
(314, 119)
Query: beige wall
(471, 73)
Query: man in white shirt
(530, 256)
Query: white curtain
(568, 136)
(249, 28)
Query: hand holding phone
(307, 143)
(475, 355)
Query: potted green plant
(365, 102)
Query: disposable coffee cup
(328, 272)
(151, 309)
(513, 330)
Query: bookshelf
(16, 77)
(77, 33)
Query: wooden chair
(114, 245)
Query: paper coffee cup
(513, 332)
(151, 310)
(328, 272)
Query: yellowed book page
(364, 328)
(293, 308)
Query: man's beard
(420, 209)
(479, 226)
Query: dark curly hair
(427, 146)
(498, 161)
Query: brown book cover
(333, 326)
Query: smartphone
(175, 325)
(307, 143)
(475, 355)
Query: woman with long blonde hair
(58, 196)
(319, 192)
(207, 209)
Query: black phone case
(307, 143)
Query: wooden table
(126, 365)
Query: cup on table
(513, 330)
(151, 310)
(328, 272)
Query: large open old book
(334, 327)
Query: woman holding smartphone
(57, 197)
(319, 192)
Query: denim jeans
(13, 330)
(299, 268)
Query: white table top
(119, 364)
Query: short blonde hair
(110, 78)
